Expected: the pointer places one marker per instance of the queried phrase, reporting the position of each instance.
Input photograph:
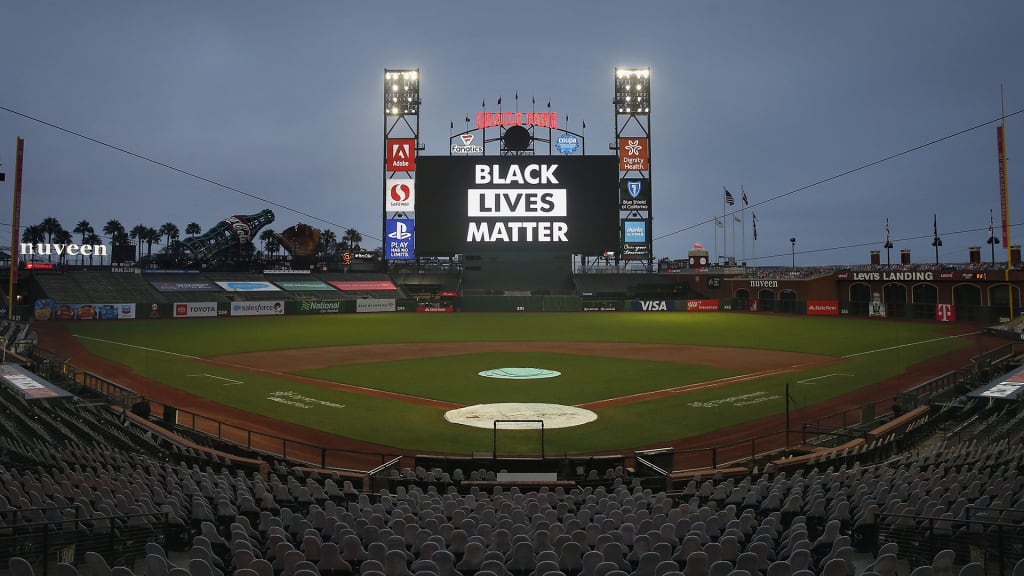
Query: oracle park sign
(552, 203)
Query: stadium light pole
(792, 250)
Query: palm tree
(273, 245)
(138, 233)
(352, 237)
(328, 243)
(83, 227)
(33, 235)
(152, 236)
(170, 230)
(51, 226)
(64, 237)
(193, 229)
(265, 236)
(92, 238)
(115, 230)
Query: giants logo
(945, 313)
(400, 155)
(400, 196)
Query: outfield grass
(420, 428)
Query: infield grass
(890, 347)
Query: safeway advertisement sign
(400, 195)
(823, 308)
(195, 309)
(400, 155)
(702, 305)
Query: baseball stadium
(511, 384)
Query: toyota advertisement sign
(399, 241)
(468, 204)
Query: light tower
(401, 145)
(632, 104)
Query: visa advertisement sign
(399, 239)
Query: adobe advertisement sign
(633, 156)
(399, 239)
(400, 155)
(635, 194)
(400, 195)
(823, 308)
(467, 204)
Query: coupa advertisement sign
(195, 309)
(257, 308)
(823, 308)
(464, 204)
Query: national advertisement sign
(304, 286)
(183, 286)
(195, 309)
(375, 305)
(318, 307)
(399, 239)
(702, 305)
(257, 308)
(237, 286)
(823, 308)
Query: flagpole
(743, 221)
(725, 238)
(1004, 193)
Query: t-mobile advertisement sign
(544, 202)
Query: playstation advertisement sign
(399, 239)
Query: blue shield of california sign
(635, 194)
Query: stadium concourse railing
(358, 462)
(867, 423)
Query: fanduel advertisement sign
(399, 239)
(465, 204)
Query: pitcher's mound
(553, 415)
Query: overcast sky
(283, 100)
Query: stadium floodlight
(401, 92)
(633, 90)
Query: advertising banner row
(276, 286)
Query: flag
(991, 232)
(736, 218)
(499, 100)
(719, 223)
(935, 225)
(584, 124)
(728, 197)
(451, 125)
(549, 102)
(887, 237)
(744, 196)
(754, 220)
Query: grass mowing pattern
(456, 379)
(417, 428)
